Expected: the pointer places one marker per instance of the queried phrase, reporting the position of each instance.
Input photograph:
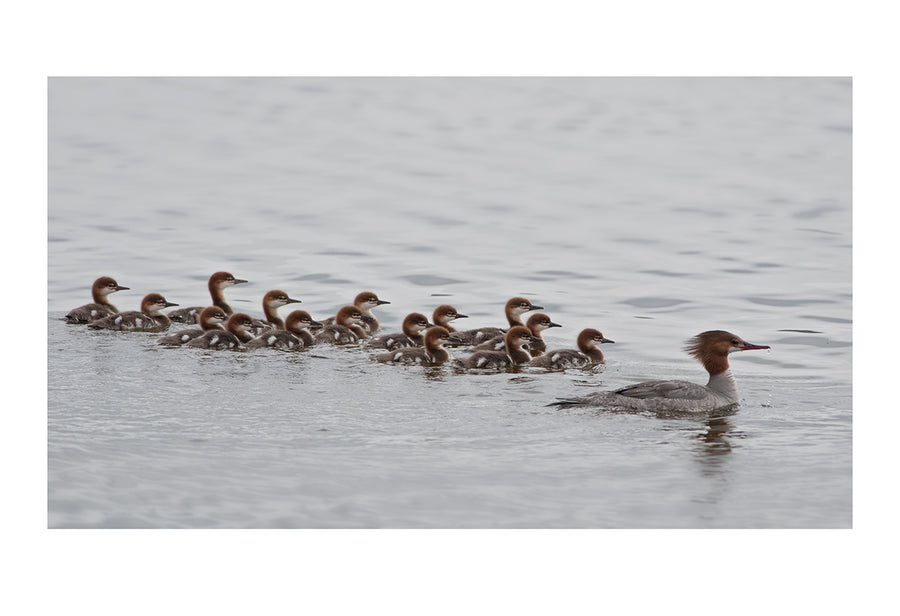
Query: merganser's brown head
(103, 286)
(414, 323)
(519, 337)
(299, 320)
(153, 303)
(276, 299)
(211, 316)
(220, 280)
(367, 300)
(349, 315)
(239, 323)
(520, 305)
(538, 322)
(445, 313)
(591, 339)
(712, 348)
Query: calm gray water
(652, 209)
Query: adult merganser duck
(149, 319)
(101, 307)
(515, 353)
(711, 349)
(432, 353)
(413, 326)
(536, 323)
(217, 284)
(237, 331)
(210, 318)
(587, 355)
(514, 307)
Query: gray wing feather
(683, 390)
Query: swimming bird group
(420, 342)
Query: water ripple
(654, 302)
(771, 301)
(667, 273)
(323, 278)
(429, 280)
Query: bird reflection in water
(715, 438)
(434, 373)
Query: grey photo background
(650, 208)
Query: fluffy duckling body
(587, 355)
(148, 319)
(293, 337)
(515, 353)
(237, 332)
(100, 291)
(432, 353)
(413, 326)
(211, 318)
(345, 328)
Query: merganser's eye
(735, 342)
